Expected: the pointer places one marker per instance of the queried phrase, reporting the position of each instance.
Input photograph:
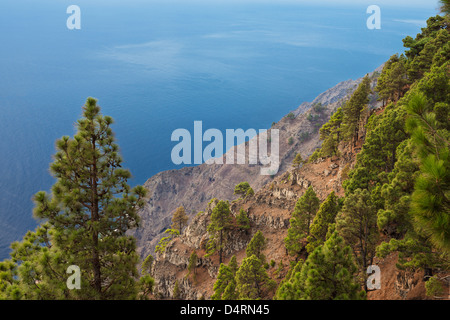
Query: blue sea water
(156, 66)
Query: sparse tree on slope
(327, 274)
(242, 188)
(147, 265)
(330, 133)
(352, 110)
(357, 224)
(324, 217)
(225, 277)
(192, 265)
(298, 160)
(179, 219)
(233, 265)
(304, 212)
(252, 279)
(330, 273)
(221, 222)
(176, 291)
(242, 220)
(256, 246)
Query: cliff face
(269, 211)
(194, 187)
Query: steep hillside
(194, 187)
(269, 211)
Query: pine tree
(250, 192)
(147, 265)
(415, 46)
(330, 133)
(290, 116)
(192, 264)
(288, 289)
(422, 63)
(398, 78)
(306, 208)
(324, 217)
(445, 6)
(280, 269)
(146, 286)
(298, 160)
(396, 194)
(393, 79)
(221, 222)
(176, 291)
(9, 285)
(225, 287)
(91, 208)
(293, 241)
(256, 246)
(224, 278)
(233, 265)
(242, 220)
(38, 268)
(164, 241)
(330, 273)
(179, 219)
(379, 153)
(146, 281)
(430, 200)
(252, 280)
(357, 224)
(242, 188)
(304, 212)
(415, 252)
(352, 110)
(290, 140)
(327, 274)
(230, 292)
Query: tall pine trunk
(220, 247)
(95, 218)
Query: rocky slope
(194, 187)
(269, 211)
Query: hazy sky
(399, 3)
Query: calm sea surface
(159, 66)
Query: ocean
(156, 66)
